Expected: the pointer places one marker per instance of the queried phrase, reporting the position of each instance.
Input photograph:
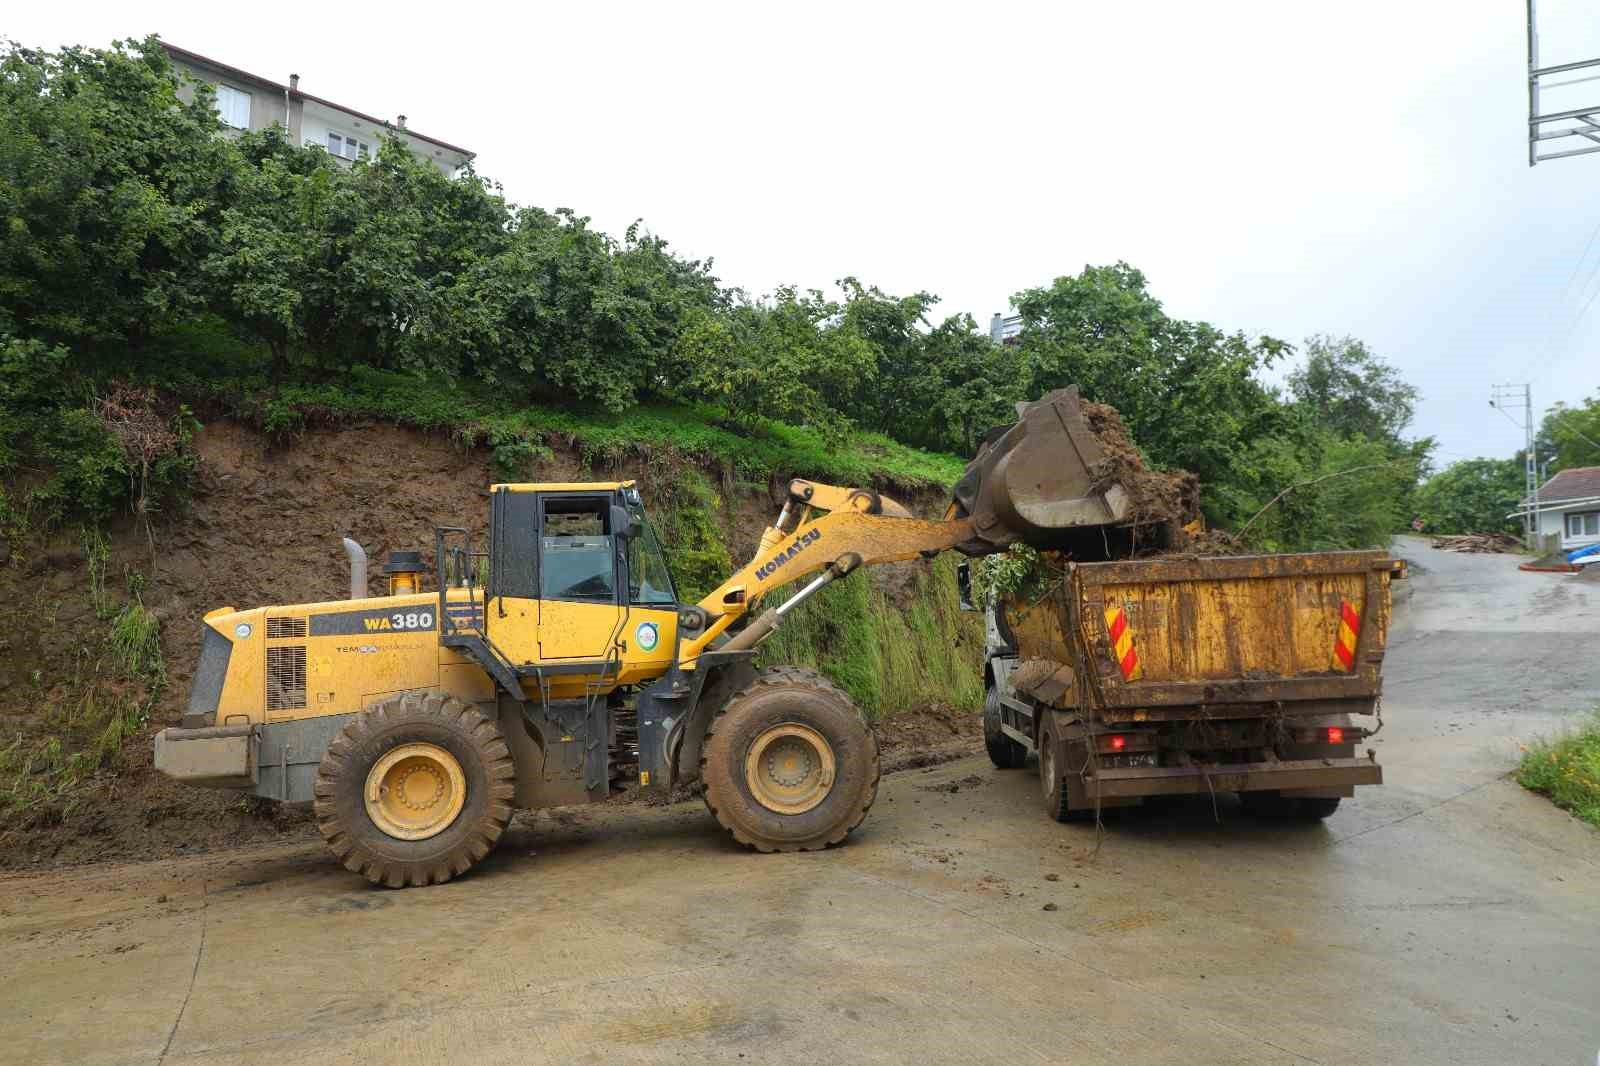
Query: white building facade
(1568, 511)
(248, 101)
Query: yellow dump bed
(1215, 631)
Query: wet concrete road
(1447, 917)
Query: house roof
(256, 79)
(1578, 483)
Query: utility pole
(1582, 122)
(1505, 399)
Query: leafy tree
(1472, 496)
(1187, 391)
(969, 386)
(787, 358)
(1352, 391)
(110, 188)
(1571, 435)
(1308, 489)
(566, 312)
(269, 271)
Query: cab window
(649, 581)
(575, 557)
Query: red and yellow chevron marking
(1122, 643)
(1344, 645)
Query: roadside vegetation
(105, 675)
(1567, 769)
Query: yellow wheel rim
(790, 769)
(415, 791)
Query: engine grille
(286, 677)
(279, 628)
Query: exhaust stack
(358, 569)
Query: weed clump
(1567, 769)
(117, 675)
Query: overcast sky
(1286, 168)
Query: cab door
(580, 602)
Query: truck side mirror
(964, 585)
(622, 523)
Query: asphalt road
(1446, 917)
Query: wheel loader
(557, 665)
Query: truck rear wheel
(1051, 777)
(789, 764)
(1005, 753)
(415, 791)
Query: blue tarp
(1583, 553)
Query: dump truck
(1183, 675)
(558, 665)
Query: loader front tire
(789, 764)
(415, 790)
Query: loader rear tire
(1005, 753)
(415, 791)
(789, 764)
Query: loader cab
(572, 566)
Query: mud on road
(1445, 917)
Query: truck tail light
(1119, 742)
(1335, 735)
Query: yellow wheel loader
(557, 665)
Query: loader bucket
(1039, 478)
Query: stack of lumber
(1478, 543)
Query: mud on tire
(784, 696)
(425, 718)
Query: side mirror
(964, 585)
(621, 522)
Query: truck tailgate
(1208, 630)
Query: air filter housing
(404, 569)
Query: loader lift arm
(857, 528)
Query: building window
(233, 107)
(1584, 525)
(347, 147)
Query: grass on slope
(889, 658)
(1567, 769)
(517, 431)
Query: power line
(1579, 264)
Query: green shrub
(1567, 769)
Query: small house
(1568, 508)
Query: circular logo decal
(647, 635)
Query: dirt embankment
(264, 526)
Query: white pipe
(358, 569)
